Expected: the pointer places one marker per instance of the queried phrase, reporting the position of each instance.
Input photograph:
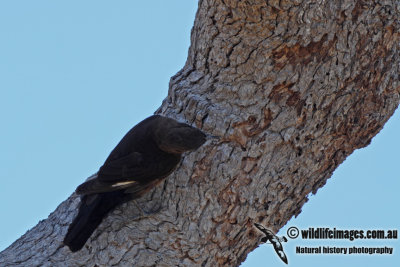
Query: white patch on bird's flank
(123, 183)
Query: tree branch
(292, 88)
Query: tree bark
(291, 88)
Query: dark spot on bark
(251, 234)
(266, 205)
(274, 10)
(251, 119)
(280, 91)
(357, 10)
(293, 99)
(308, 137)
(298, 54)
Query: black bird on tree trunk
(146, 155)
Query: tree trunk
(291, 88)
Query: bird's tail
(91, 212)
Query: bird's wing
(281, 254)
(260, 227)
(269, 234)
(119, 169)
(139, 167)
(96, 186)
(114, 175)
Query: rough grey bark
(292, 88)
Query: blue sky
(75, 76)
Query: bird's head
(175, 137)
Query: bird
(145, 156)
(275, 241)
